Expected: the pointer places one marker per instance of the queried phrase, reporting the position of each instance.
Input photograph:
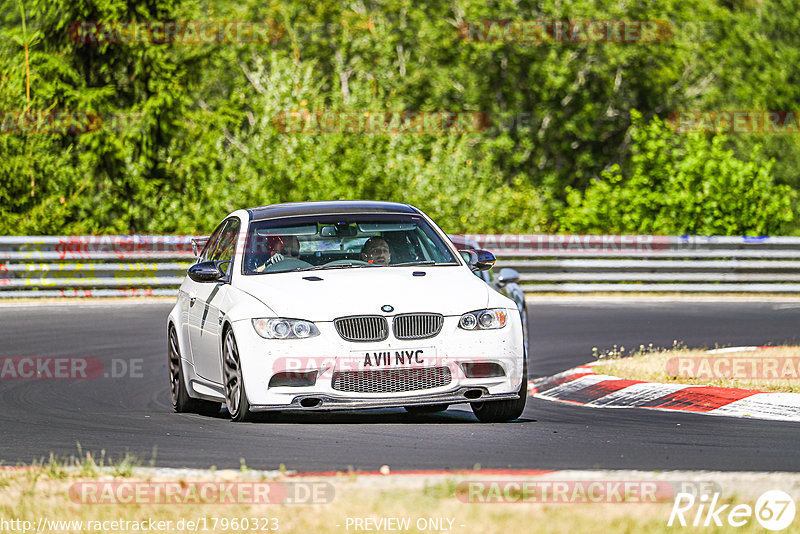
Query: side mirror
(507, 276)
(478, 260)
(207, 271)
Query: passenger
(376, 250)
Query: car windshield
(342, 242)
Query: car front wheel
(235, 394)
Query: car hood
(324, 295)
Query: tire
(427, 408)
(235, 394)
(524, 317)
(181, 401)
(505, 410)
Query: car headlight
(483, 320)
(279, 328)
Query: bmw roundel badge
(386, 308)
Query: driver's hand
(276, 258)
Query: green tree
(682, 184)
(204, 143)
(115, 178)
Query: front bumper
(325, 402)
(262, 358)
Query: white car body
(205, 311)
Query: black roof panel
(328, 207)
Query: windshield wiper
(337, 266)
(419, 262)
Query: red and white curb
(584, 387)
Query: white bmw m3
(340, 306)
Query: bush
(681, 184)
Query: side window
(226, 245)
(211, 243)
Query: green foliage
(101, 181)
(561, 153)
(682, 184)
(438, 173)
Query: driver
(279, 248)
(376, 251)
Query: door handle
(191, 301)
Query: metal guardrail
(643, 263)
(93, 266)
(99, 266)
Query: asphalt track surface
(133, 413)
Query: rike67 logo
(774, 510)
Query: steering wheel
(286, 264)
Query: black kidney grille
(417, 325)
(362, 328)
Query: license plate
(393, 359)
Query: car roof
(328, 207)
